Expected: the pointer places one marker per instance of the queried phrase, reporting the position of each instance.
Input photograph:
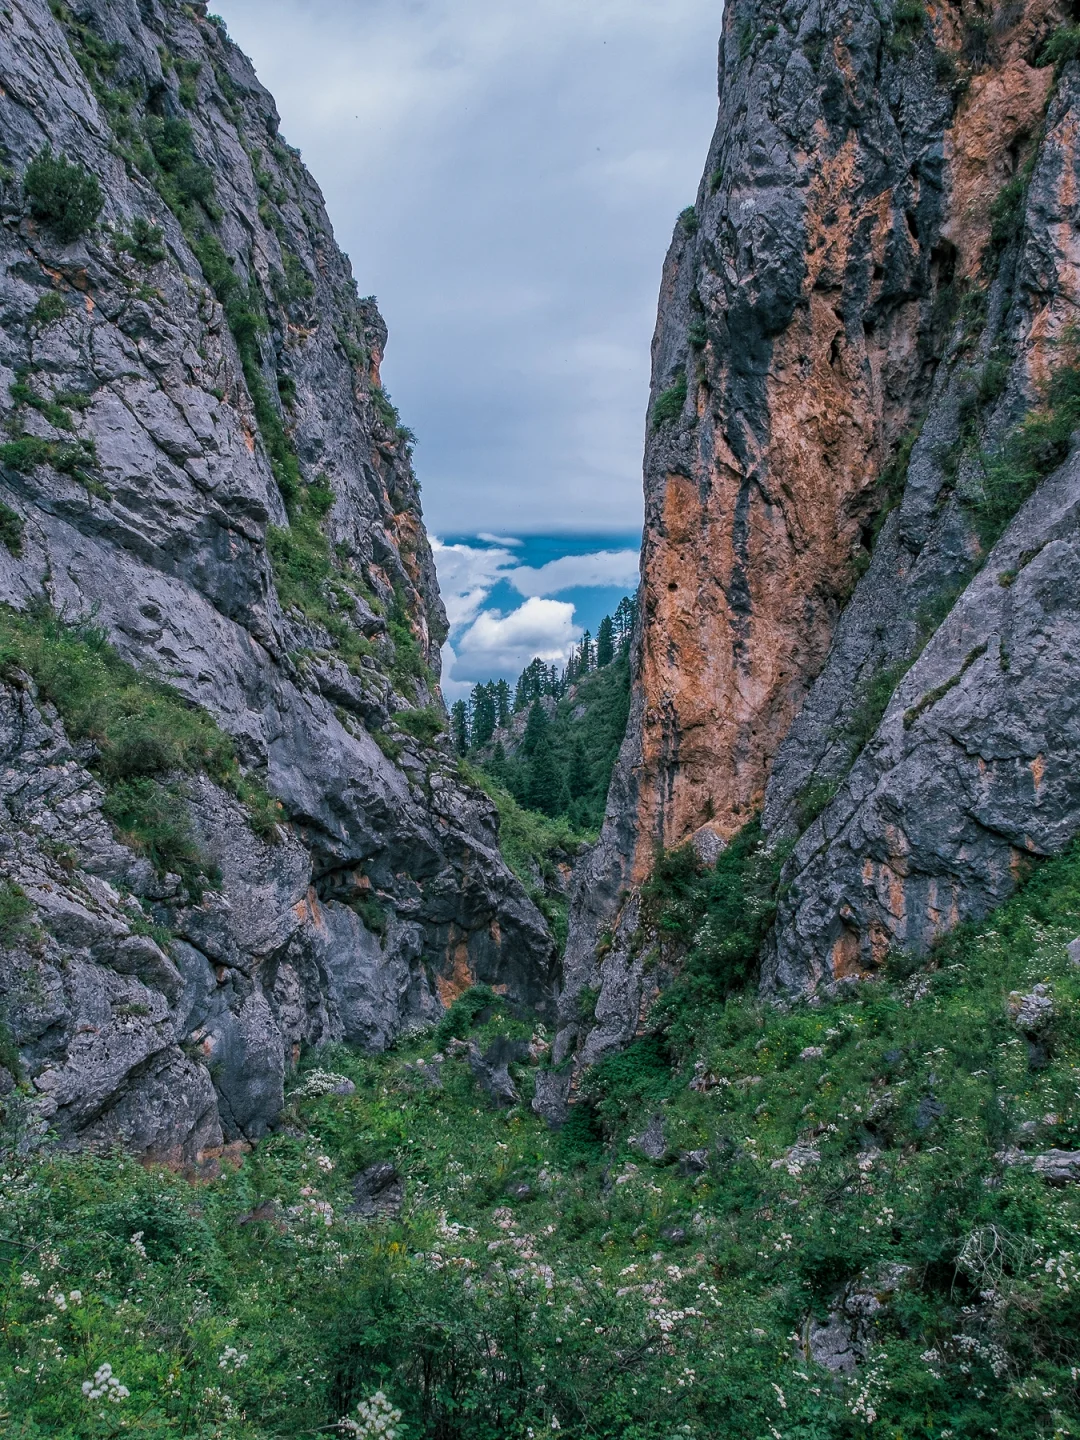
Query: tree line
(563, 764)
(493, 702)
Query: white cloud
(452, 689)
(496, 644)
(467, 574)
(499, 539)
(603, 567)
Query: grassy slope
(482, 1315)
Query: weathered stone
(652, 1142)
(491, 1068)
(693, 1162)
(378, 1191)
(174, 1053)
(803, 310)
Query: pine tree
(497, 763)
(459, 726)
(502, 703)
(545, 785)
(535, 730)
(578, 779)
(605, 642)
(625, 613)
(483, 714)
(586, 654)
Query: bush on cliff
(63, 195)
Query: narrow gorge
(350, 1081)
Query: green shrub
(15, 913)
(425, 725)
(26, 453)
(1030, 452)
(814, 797)
(146, 243)
(668, 405)
(908, 23)
(1062, 47)
(183, 181)
(688, 220)
(869, 703)
(626, 1086)
(49, 307)
(62, 195)
(461, 1015)
(152, 819)
(10, 1060)
(11, 529)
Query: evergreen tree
(535, 730)
(625, 613)
(605, 642)
(483, 714)
(586, 653)
(578, 779)
(459, 726)
(497, 764)
(545, 785)
(502, 703)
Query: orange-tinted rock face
(834, 294)
(759, 498)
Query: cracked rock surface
(162, 535)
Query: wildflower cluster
(377, 1420)
(105, 1385)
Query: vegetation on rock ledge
(876, 1146)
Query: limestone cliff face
(852, 266)
(161, 534)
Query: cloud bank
(486, 641)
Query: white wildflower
(105, 1384)
(378, 1420)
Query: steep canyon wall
(200, 462)
(876, 284)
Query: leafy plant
(11, 529)
(908, 23)
(62, 194)
(145, 243)
(48, 308)
(15, 913)
(425, 725)
(668, 405)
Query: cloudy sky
(505, 177)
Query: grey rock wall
(163, 542)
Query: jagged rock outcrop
(209, 331)
(873, 287)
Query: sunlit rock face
(385, 894)
(852, 266)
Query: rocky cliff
(851, 622)
(202, 474)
